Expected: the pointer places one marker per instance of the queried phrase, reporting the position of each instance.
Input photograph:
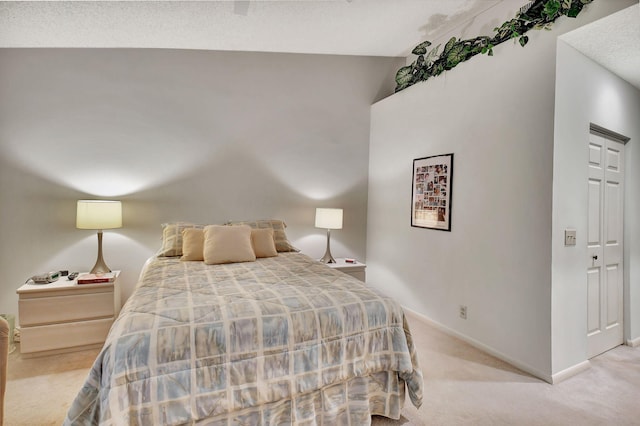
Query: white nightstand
(65, 316)
(356, 270)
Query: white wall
(177, 135)
(496, 114)
(588, 93)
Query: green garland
(538, 14)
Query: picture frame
(431, 186)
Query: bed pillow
(172, 238)
(279, 236)
(263, 243)
(227, 244)
(192, 244)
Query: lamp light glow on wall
(328, 219)
(99, 215)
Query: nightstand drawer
(67, 335)
(46, 310)
(358, 273)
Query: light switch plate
(569, 237)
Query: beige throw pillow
(227, 244)
(279, 235)
(172, 238)
(263, 243)
(192, 244)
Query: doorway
(605, 245)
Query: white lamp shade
(329, 218)
(99, 214)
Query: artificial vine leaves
(538, 14)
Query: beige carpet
(463, 386)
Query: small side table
(65, 316)
(356, 269)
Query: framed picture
(431, 192)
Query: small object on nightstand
(348, 260)
(97, 278)
(47, 278)
(72, 276)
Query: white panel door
(605, 245)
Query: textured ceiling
(343, 27)
(613, 42)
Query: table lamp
(99, 215)
(328, 219)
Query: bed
(279, 340)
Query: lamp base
(327, 258)
(100, 267)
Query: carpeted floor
(463, 386)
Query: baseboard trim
(526, 368)
(570, 372)
(634, 343)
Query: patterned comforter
(283, 340)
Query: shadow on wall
(237, 185)
(37, 219)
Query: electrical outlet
(463, 312)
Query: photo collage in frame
(431, 195)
